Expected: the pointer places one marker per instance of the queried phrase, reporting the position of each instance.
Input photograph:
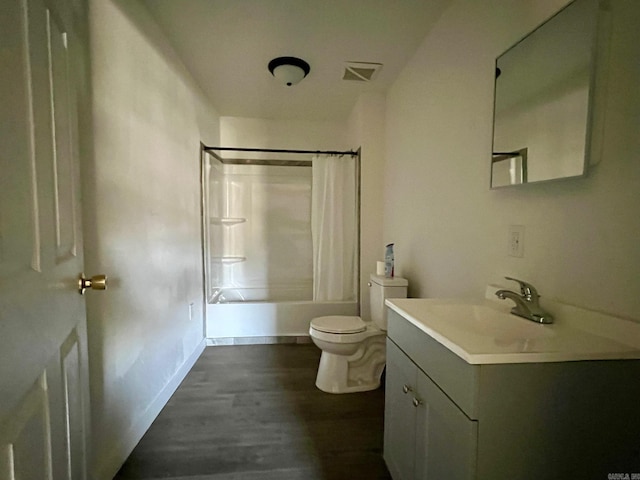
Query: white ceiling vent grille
(361, 71)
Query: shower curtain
(334, 227)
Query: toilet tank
(380, 289)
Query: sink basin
(486, 321)
(484, 331)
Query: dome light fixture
(289, 70)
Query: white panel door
(43, 353)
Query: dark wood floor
(253, 412)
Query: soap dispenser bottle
(389, 261)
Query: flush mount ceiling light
(289, 70)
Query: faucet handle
(526, 289)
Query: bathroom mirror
(543, 91)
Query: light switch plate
(516, 241)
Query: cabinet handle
(406, 389)
(416, 402)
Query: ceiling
(227, 44)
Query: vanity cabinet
(449, 419)
(426, 434)
(400, 414)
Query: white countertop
(484, 332)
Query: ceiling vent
(361, 71)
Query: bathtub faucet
(217, 296)
(527, 302)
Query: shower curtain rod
(278, 150)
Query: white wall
(366, 131)
(284, 134)
(581, 236)
(142, 222)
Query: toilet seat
(369, 331)
(338, 324)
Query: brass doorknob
(97, 282)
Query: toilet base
(359, 372)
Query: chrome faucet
(527, 302)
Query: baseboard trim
(108, 468)
(281, 339)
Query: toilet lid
(339, 324)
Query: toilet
(353, 350)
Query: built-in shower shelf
(228, 259)
(227, 220)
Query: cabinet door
(399, 414)
(446, 439)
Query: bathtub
(268, 319)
